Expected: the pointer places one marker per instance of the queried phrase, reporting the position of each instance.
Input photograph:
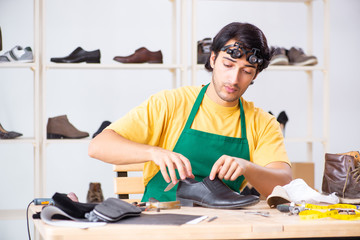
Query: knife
(170, 186)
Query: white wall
(120, 27)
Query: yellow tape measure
(336, 211)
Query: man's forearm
(264, 179)
(112, 148)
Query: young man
(204, 131)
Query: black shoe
(79, 55)
(8, 135)
(101, 128)
(212, 194)
(282, 119)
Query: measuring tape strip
(334, 211)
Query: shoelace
(356, 176)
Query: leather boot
(342, 176)
(60, 127)
(95, 194)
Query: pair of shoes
(8, 135)
(101, 128)
(203, 50)
(60, 127)
(342, 176)
(293, 56)
(211, 194)
(141, 55)
(80, 55)
(18, 54)
(95, 194)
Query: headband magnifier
(237, 50)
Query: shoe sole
(349, 200)
(193, 203)
(279, 61)
(59, 136)
(309, 62)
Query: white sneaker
(18, 54)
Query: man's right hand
(166, 159)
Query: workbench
(229, 224)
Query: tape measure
(336, 211)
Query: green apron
(203, 150)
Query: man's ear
(212, 59)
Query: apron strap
(196, 106)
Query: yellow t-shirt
(160, 120)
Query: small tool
(264, 214)
(157, 205)
(212, 219)
(197, 220)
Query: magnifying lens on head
(237, 50)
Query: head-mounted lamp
(237, 50)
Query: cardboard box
(305, 171)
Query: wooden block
(305, 171)
(129, 185)
(128, 167)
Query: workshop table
(229, 224)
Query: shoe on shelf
(101, 128)
(203, 50)
(279, 57)
(297, 57)
(211, 194)
(8, 135)
(60, 127)
(79, 55)
(18, 54)
(95, 194)
(141, 55)
(282, 119)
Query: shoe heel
(186, 202)
(54, 136)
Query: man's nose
(235, 76)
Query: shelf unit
(40, 67)
(16, 214)
(309, 139)
(175, 67)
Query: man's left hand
(228, 168)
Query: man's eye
(227, 65)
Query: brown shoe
(342, 176)
(95, 194)
(60, 127)
(142, 55)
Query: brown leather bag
(342, 176)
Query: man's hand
(228, 168)
(166, 159)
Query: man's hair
(246, 33)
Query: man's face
(230, 78)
